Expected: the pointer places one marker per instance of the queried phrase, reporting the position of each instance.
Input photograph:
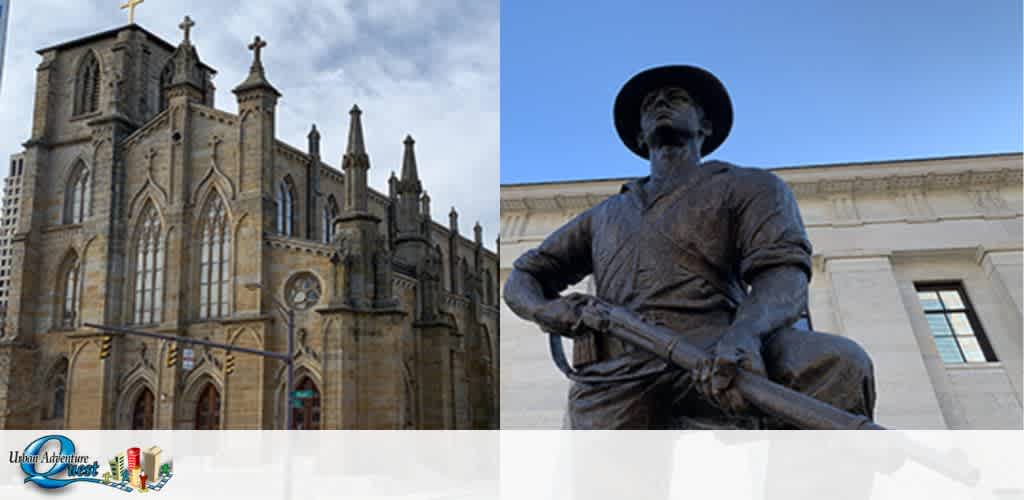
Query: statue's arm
(775, 256)
(777, 297)
(524, 294)
(539, 276)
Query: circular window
(303, 291)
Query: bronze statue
(706, 255)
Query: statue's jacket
(681, 260)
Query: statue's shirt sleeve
(769, 231)
(564, 258)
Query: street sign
(304, 394)
(296, 403)
(188, 358)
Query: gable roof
(113, 33)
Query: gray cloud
(426, 68)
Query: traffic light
(105, 346)
(229, 364)
(172, 355)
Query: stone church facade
(144, 206)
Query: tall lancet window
(214, 254)
(149, 268)
(166, 77)
(87, 85)
(286, 208)
(77, 194)
(70, 286)
(330, 212)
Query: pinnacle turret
(314, 141)
(356, 145)
(410, 181)
(356, 164)
(257, 78)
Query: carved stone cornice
(286, 243)
(931, 182)
(963, 180)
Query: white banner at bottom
(528, 465)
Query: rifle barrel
(774, 399)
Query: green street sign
(305, 394)
(296, 403)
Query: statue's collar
(707, 169)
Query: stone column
(870, 310)
(1004, 269)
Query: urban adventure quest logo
(133, 470)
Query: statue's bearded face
(670, 117)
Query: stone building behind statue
(919, 261)
(145, 206)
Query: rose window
(303, 291)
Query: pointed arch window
(488, 294)
(286, 208)
(329, 213)
(149, 268)
(166, 78)
(70, 287)
(214, 255)
(208, 409)
(58, 386)
(307, 416)
(87, 85)
(59, 393)
(142, 410)
(77, 195)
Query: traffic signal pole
(288, 357)
(188, 340)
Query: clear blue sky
(811, 81)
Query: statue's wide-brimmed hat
(704, 87)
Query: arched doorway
(306, 414)
(142, 411)
(208, 409)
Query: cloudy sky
(423, 67)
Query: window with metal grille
(954, 324)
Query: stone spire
(257, 79)
(356, 145)
(393, 186)
(314, 141)
(313, 229)
(478, 232)
(412, 227)
(356, 164)
(453, 221)
(410, 181)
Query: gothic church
(144, 206)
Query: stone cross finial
(257, 46)
(186, 26)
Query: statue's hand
(561, 316)
(715, 378)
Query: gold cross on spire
(130, 5)
(256, 46)
(186, 26)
